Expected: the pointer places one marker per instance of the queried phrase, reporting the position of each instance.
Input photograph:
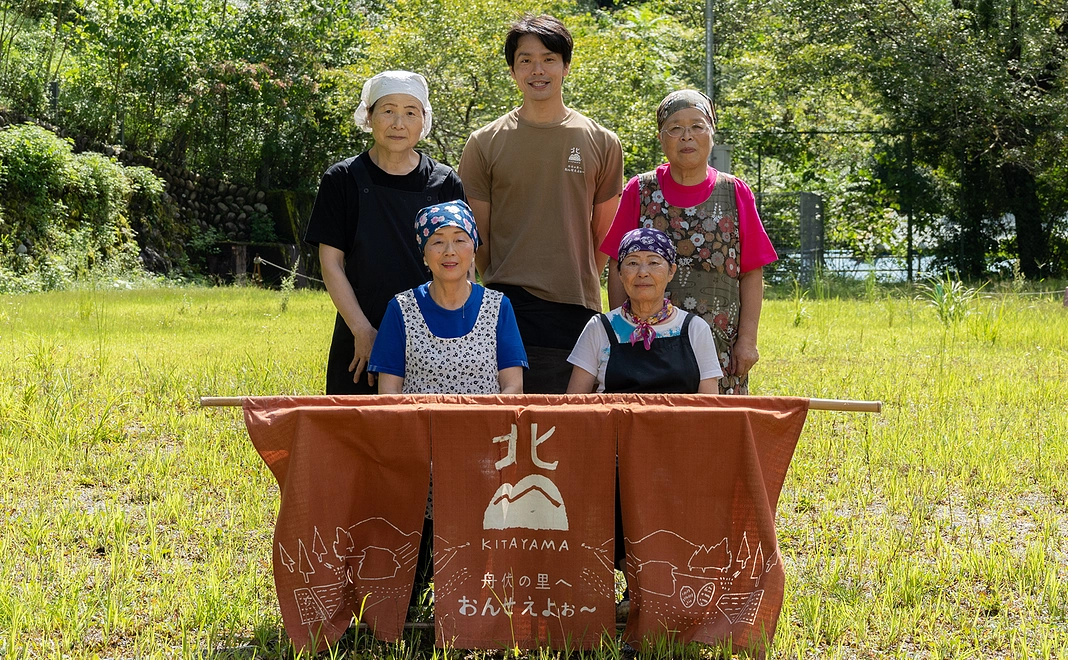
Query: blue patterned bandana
(455, 214)
(647, 239)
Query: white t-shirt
(593, 348)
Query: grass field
(135, 524)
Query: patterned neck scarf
(644, 332)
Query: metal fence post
(810, 210)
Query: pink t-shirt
(757, 249)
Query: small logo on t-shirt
(574, 162)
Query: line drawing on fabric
(649, 570)
(284, 557)
(395, 552)
(706, 575)
(392, 554)
(744, 554)
(319, 603)
(318, 547)
(603, 553)
(532, 503)
(446, 554)
(451, 584)
(368, 567)
(758, 563)
(741, 607)
(343, 544)
(388, 534)
(716, 558)
(774, 559)
(306, 569)
(311, 610)
(378, 564)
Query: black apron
(668, 367)
(383, 260)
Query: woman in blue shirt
(450, 335)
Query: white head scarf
(394, 82)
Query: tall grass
(134, 524)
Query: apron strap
(612, 341)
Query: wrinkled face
(397, 122)
(538, 72)
(686, 139)
(449, 252)
(645, 275)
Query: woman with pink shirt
(711, 216)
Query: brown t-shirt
(542, 182)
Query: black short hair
(548, 29)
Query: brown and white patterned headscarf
(681, 100)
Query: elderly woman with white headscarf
(362, 221)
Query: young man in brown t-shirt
(544, 183)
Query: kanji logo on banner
(523, 533)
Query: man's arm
(481, 210)
(616, 293)
(603, 214)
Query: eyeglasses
(700, 128)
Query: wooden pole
(840, 405)
(222, 401)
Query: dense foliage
(67, 216)
(949, 111)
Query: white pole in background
(721, 153)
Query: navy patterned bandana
(647, 239)
(455, 214)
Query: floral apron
(709, 257)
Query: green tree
(982, 85)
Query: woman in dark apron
(362, 221)
(647, 345)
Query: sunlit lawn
(135, 524)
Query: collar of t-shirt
(414, 181)
(449, 323)
(552, 124)
(682, 196)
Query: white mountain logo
(533, 503)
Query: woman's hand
(364, 339)
(743, 356)
(751, 296)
